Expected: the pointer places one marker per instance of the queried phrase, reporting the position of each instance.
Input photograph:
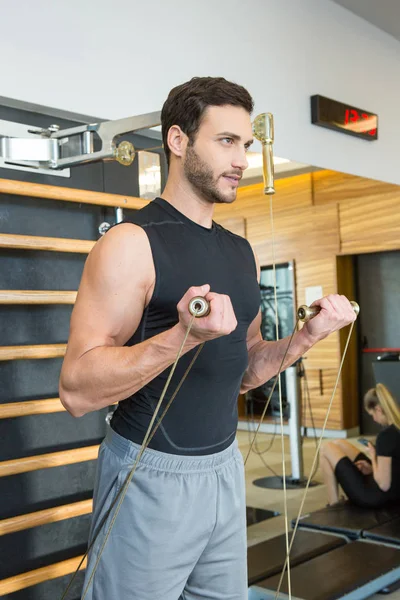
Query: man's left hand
(336, 312)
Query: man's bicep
(113, 289)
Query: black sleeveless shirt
(202, 419)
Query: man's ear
(177, 141)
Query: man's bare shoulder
(116, 285)
(124, 235)
(123, 245)
(120, 260)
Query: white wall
(115, 59)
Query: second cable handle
(199, 307)
(306, 313)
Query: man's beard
(201, 176)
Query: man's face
(215, 162)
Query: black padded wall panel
(45, 488)
(49, 218)
(45, 544)
(54, 432)
(29, 380)
(24, 380)
(35, 324)
(50, 589)
(40, 270)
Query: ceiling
(384, 14)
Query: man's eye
(227, 140)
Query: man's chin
(226, 198)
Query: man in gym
(181, 530)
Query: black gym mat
(267, 558)
(354, 571)
(347, 519)
(389, 533)
(257, 515)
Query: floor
(259, 465)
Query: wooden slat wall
(47, 461)
(38, 190)
(317, 218)
(38, 407)
(10, 410)
(30, 352)
(30, 242)
(44, 517)
(36, 297)
(31, 578)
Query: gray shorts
(181, 530)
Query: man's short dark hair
(186, 104)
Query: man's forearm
(108, 374)
(265, 358)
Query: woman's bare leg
(329, 478)
(348, 448)
(331, 453)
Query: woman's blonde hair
(380, 396)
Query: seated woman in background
(371, 481)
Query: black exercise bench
(348, 520)
(354, 571)
(389, 533)
(267, 558)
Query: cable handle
(199, 307)
(306, 313)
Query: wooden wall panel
(235, 224)
(318, 218)
(299, 233)
(309, 235)
(320, 385)
(371, 224)
(330, 186)
(319, 272)
(291, 193)
(346, 285)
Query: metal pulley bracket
(55, 149)
(20, 140)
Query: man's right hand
(219, 322)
